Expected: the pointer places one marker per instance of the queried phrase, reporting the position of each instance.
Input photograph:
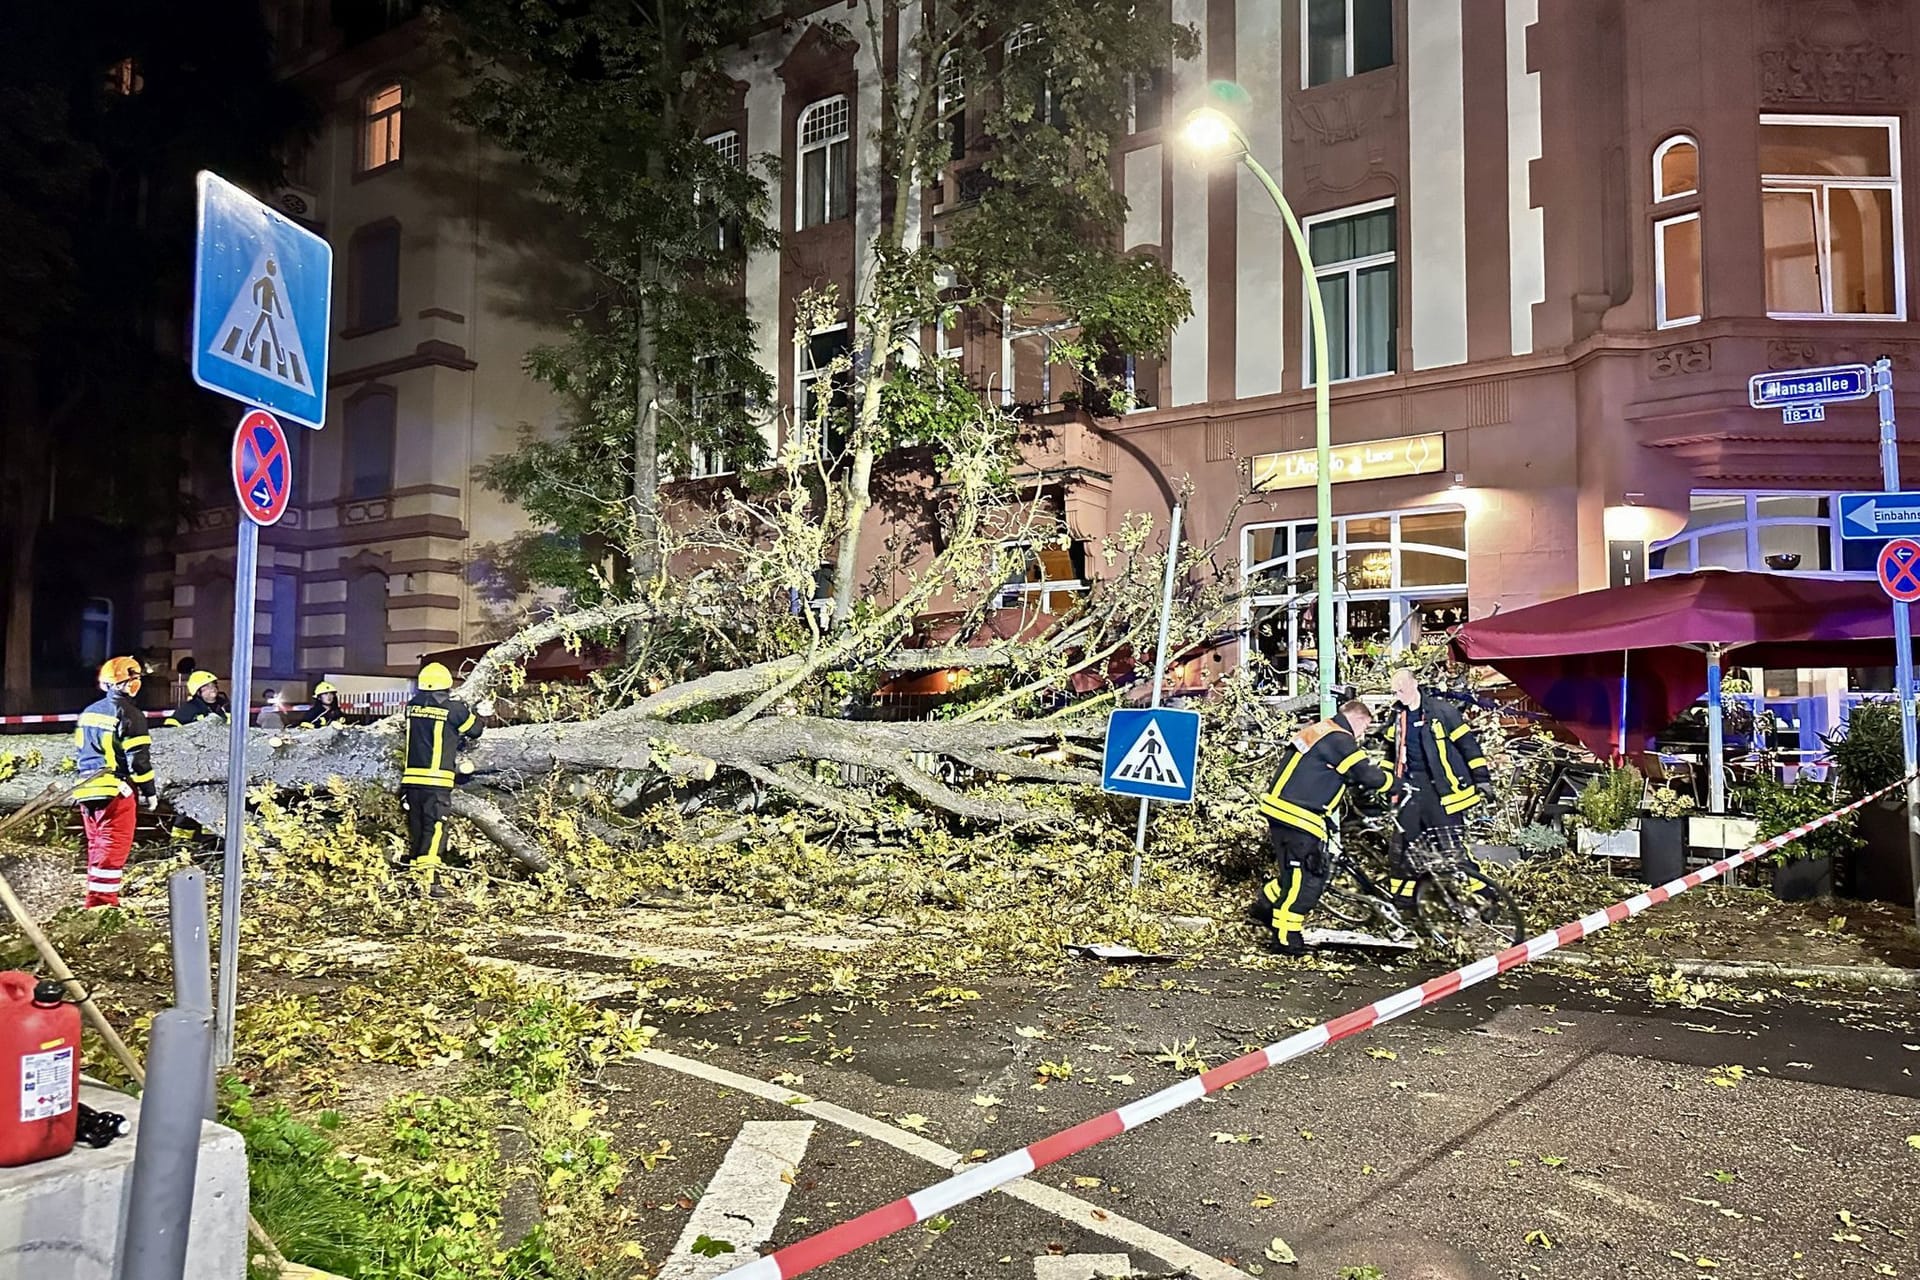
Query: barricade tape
(823, 1247)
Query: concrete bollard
(166, 1153)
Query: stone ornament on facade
(366, 512)
(1337, 128)
(1802, 353)
(1673, 362)
(1836, 51)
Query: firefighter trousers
(109, 826)
(1302, 868)
(427, 811)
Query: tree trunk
(857, 488)
(644, 553)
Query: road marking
(1083, 1266)
(743, 1199)
(1081, 1213)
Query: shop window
(373, 276)
(826, 143)
(1400, 576)
(96, 631)
(369, 445)
(1762, 531)
(725, 232)
(380, 117)
(1676, 168)
(1345, 38)
(1678, 296)
(952, 106)
(1356, 267)
(1830, 198)
(1044, 576)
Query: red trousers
(109, 825)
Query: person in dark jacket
(114, 762)
(437, 729)
(1302, 807)
(204, 702)
(326, 708)
(1438, 756)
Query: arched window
(826, 144)
(380, 115)
(1676, 168)
(1026, 44)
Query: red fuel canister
(39, 1069)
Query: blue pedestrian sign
(1869, 517)
(262, 301)
(1152, 754)
(1792, 388)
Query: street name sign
(1794, 388)
(1868, 517)
(1900, 569)
(1153, 754)
(262, 305)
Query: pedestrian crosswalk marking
(259, 332)
(743, 1199)
(1149, 761)
(1083, 1266)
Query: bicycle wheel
(1345, 901)
(1479, 920)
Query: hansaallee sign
(1373, 460)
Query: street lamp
(1212, 132)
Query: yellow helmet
(200, 680)
(118, 672)
(434, 678)
(323, 687)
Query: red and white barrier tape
(67, 719)
(835, 1242)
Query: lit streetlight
(1213, 132)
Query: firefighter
(1302, 808)
(115, 762)
(204, 702)
(326, 708)
(437, 729)
(1439, 757)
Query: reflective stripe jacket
(323, 715)
(194, 709)
(115, 749)
(1323, 759)
(437, 727)
(1448, 751)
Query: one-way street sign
(1791, 387)
(1868, 517)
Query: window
(1676, 168)
(1830, 198)
(952, 106)
(726, 227)
(1146, 103)
(825, 145)
(283, 636)
(369, 444)
(1676, 271)
(124, 79)
(380, 128)
(1028, 46)
(818, 376)
(1355, 268)
(367, 623)
(96, 631)
(706, 460)
(373, 277)
(1400, 575)
(950, 333)
(1345, 38)
(1048, 576)
(1785, 532)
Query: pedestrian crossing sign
(1153, 754)
(262, 300)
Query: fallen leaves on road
(1540, 1240)
(1085, 1182)
(1053, 1070)
(1913, 1140)
(914, 1121)
(1262, 1201)
(1727, 1077)
(1279, 1251)
(985, 1100)
(1030, 1033)
(1387, 1055)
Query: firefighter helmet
(200, 680)
(117, 673)
(324, 687)
(435, 678)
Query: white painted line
(743, 1199)
(1082, 1213)
(1083, 1266)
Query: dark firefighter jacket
(194, 709)
(1434, 747)
(1324, 758)
(323, 715)
(437, 727)
(115, 750)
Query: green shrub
(1612, 800)
(1779, 808)
(1869, 754)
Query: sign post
(1902, 623)
(262, 315)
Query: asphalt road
(1547, 1126)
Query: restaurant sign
(1371, 460)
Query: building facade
(1554, 238)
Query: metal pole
(245, 564)
(1902, 626)
(1159, 669)
(166, 1149)
(1327, 644)
(1716, 737)
(192, 970)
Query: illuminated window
(1344, 38)
(1356, 265)
(826, 145)
(1830, 199)
(1678, 293)
(1764, 531)
(952, 106)
(1044, 576)
(381, 111)
(1676, 168)
(124, 78)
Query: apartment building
(1554, 239)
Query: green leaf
(707, 1247)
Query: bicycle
(1453, 904)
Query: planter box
(1803, 879)
(1663, 849)
(1609, 844)
(1880, 871)
(1722, 834)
